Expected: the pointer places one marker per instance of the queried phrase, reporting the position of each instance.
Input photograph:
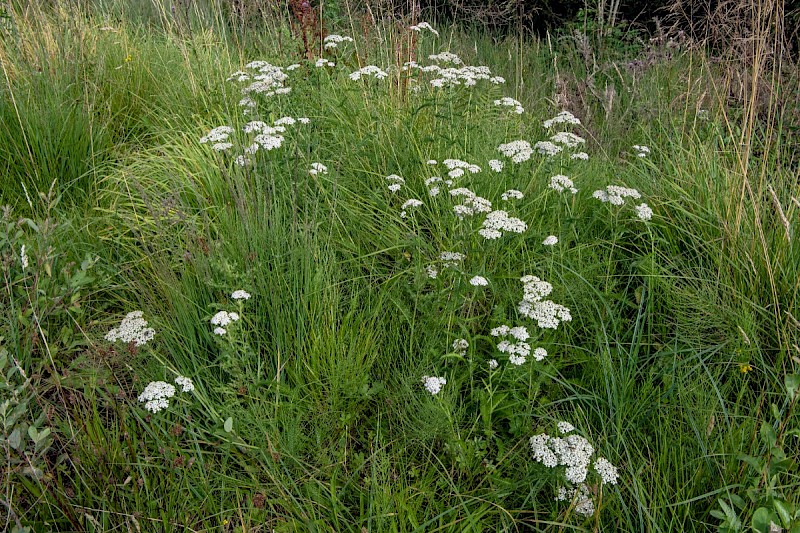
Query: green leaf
(784, 512)
(15, 439)
(762, 518)
(768, 434)
(33, 433)
(228, 424)
(792, 382)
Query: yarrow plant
(156, 394)
(433, 384)
(133, 328)
(573, 456)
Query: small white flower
(493, 364)
(552, 240)
(156, 396)
(565, 117)
(431, 271)
(240, 295)
(561, 183)
(423, 26)
(512, 194)
(318, 168)
(433, 384)
(460, 346)
(220, 331)
(641, 150)
(479, 281)
(565, 427)
(580, 155)
(516, 360)
(644, 212)
(369, 70)
(23, 257)
(607, 471)
(510, 102)
(570, 140)
(223, 318)
(496, 165)
(432, 162)
(547, 148)
(394, 187)
(133, 328)
(185, 383)
(333, 40)
(539, 354)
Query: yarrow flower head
(519, 151)
(451, 259)
(570, 140)
(369, 70)
(565, 117)
(580, 155)
(133, 328)
(433, 384)
(318, 168)
(616, 195)
(565, 427)
(512, 194)
(644, 212)
(446, 57)
(607, 471)
(561, 183)
(496, 165)
(498, 221)
(332, 40)
(479, 281)
(547, 148)
(223, 318)
(185, 383)
(156, 396)
(546, 313)
(552, 240)
(240, 295)
(641, 150)
(408, 204)
(424, 26)
(510, 102)
(460, 346)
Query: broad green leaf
(792, 382)
(784, 512)
(762, 518)
(228, 425)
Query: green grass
(321, 379)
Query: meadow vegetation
(384, 306)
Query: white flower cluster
(395, 182)
(513, 343)
(322, 62)
(497, 222)
(446, 57)
(470, 203)
(133, 328)
(460, 346)
(641, 150)
(219, 138)
(318, 168)
(451, 76)
(457, 167)
(433, 189)
(512, 194)
(546, 313)
(23, 257)
(451, 259)
(333, 40)
(510, 102)
(570, 140)
(565, 117)
(496, 165)
(240, 295)
(518, 151)
(423, 26)
(561, 183)
(479, 281)
(408, 204)
(156, 394)
(575, 454)
(547, 148)
(267, 80)
(644, 212)
(616, 195)
(369, 70)
(550, 240)
(583, 156)
(266, 137)
(222, 319)
(584, 504)
(433, 384)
